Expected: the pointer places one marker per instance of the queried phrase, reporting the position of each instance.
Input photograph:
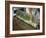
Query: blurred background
(26, 18)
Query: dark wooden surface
(21, 25)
